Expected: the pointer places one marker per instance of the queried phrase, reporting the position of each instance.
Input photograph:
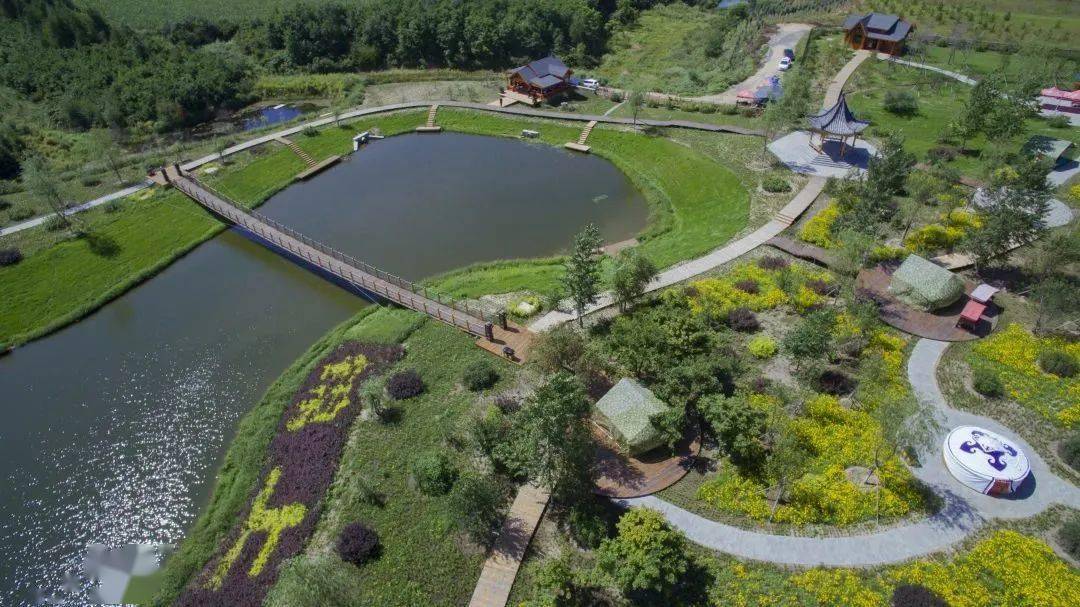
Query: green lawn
(940, 101)
(664, 52)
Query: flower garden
(1013, 354)
(302, 461)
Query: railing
(364, 275)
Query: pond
(114, 427)
(269, 115)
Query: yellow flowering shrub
(1074, 192)
(719, 296)
(1007, 568)
(818, 230)
(731, 492)
(887, 253)
(1014, 353)
(951, 228)
(838, 587)
(762, 346)
(806, 300)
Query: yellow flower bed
(836, 438)
(838, 587)
(719, 296)
(952, 228)
(330, 397)
(818, 230)
(1014, 353)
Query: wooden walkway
(336, 263)
(501, 566)
(802, 250)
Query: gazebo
(625, 414)
(836, 123)
(924, 285)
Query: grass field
(664, 52)
(697, 203)
(940, 100)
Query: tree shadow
(102, 245)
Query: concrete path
(501, 567)
(786, 37)
(964, 511)
(832, 94)
(695, 267)
(30, 223)
(922, 66)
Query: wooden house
(877, 32)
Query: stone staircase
(430, 126)
(308, 160)
(579, 145)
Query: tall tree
(581, 279)
(39, 179)
(1012, 210)
(888, 169)
(786, 460)
(632, 275)
(647, 558)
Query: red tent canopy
(972, 311)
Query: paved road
(964, 510)
(787, 36)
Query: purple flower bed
(307, 457)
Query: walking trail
(963, 512)
(501, 567)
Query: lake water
(113, 428)
(270, 115)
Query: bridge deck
(352, 271)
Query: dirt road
(787, 36)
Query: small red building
(540, 80)
(877, 32)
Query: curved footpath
(362, 112)
(963, 512)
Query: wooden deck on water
(351, 270)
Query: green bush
(1058, 121)
(479, 375)
(55, 223)
(310, 131)
(588, 523)
(1069, 536)
(1058, 363)
(775, 184)
(20, 213)
(901, 103)
(1069, 450)
(762, 346)
(434, 473)
(987, 383)
(113, 206)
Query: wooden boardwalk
(501, 566)
(340, 265)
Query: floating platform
(428, 129)
(317, 168)
(577, 147)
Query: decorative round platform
(621, 476)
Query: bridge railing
(250, 220)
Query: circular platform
(621, 476)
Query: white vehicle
(590, 83)
(785, 63)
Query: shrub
(479, 375)
(1070, 450)
(1057, 363)
(55, 223)
(113, 206)
(588, 524)
(887, 253)
(404, 384)
(434, 473)
(819, 286)
(310, 131)
(10, 257)
(835, 382)
(743, 319)
(476, 504)
(748, 286)
(901, 103)
(20, 213)
(913, 595)
(729, 110)
(773, 262)
(508, 402)
(1058, 121)
(987, 383)
(762, 346)
(775, 184)
(943, 153)
(819, 229)
(358, 544)
(1069, 536)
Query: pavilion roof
(838, 120)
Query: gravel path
(964, 511)
(787, 36)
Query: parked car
(590, 83)
(785, 63)
(790, 54)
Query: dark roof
(880, 26)
(838, 120)
(544, 72)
